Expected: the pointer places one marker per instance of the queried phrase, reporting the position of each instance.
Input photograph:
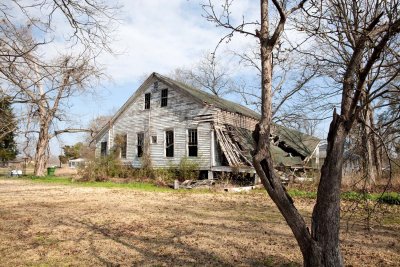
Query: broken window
(164, 97)
(169, 143)
(140, 143)
(103, 149)
(147, 101)
(154, 139)
(192, 142)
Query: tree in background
(44, 84)
(79, 150)
(8, 127)
(209, 74)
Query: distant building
(75, 163)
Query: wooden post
(210, 175)
(176, 184)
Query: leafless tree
(209, 74)
(354, 32)
(39, 82)
(44, 89)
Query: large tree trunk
(325, 223)
(41, 155)
(375, 150)
(367, 148)
(321, 247)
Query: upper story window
(169, 143)
(192, 143)
(147, 101)
(164, 97)
(155, 85)
(140, 143)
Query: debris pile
(190, 184)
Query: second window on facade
(169, 143)
(192, 142)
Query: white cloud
(163, 35)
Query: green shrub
(188, 170)
(103, 168)
(390, 198)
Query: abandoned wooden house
(166, 121)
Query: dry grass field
(63, 225)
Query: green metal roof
(303, 143)
(279, 156)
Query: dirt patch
(43, 224)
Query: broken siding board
(236, 120)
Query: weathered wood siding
(234, 119)
(179, 116)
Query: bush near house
(105, 168)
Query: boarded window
(147, 101)
(124, 143)
(103, 149)
(192, 142)
(164, 97)
(140, 143)
(169, 143)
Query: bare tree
(43, 84)
(357, 31)
(209, 74)
(44, 90)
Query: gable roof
(207, 98)
(197, 95)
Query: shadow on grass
(170, 249)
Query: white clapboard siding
(177, 116)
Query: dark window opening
(192, 142)
(155, 86)
(154, 139)
(124, 143)
(169, 143)
(140, 142)
(147, 101)
(103, 149)
(164, 97)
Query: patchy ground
(56, 225)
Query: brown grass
(54, 225)
(66, 171)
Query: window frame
(164, 97)
(169, 147)
(147, 101)
(192, 142)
